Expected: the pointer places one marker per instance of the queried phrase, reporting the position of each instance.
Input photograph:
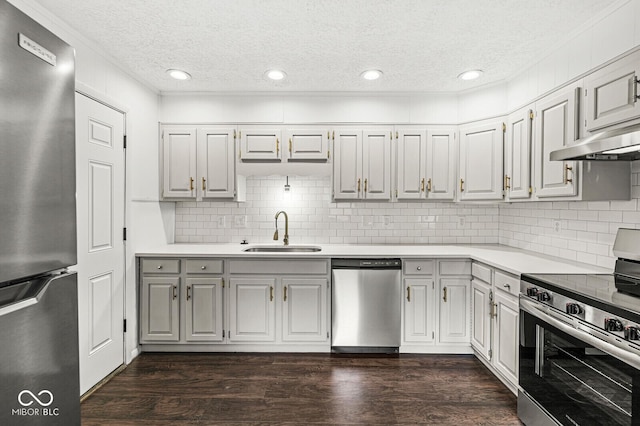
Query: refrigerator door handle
(31, 296)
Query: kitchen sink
(282, 249)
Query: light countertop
(508, 259)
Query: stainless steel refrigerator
(39, 379)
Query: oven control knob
(543, 296)
(574, 309)
(613, 324)
(532, 292)
(632, 333)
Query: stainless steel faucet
(286, 227)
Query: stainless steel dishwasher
(365, 305)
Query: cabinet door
(308, 144)
(159, 310)
(347, 164)
(440, 173)
(260, 143)
(203, 297)
(179, 162)
(555, 127)
(454, 310)
(481, 156)
(410, 168)
(481, 320)
(216, 162)
(612, 93)
(419, 310)
(518, 155)
(304, 310)
(505, 355)
(252, 309)
(376, 164)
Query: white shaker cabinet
(425, 163)
(556, 119)
(419, 301)
(308, 143)
(203, 300)
(481, 161)
(160, 300)
(517, 184)
(481, 298)
(262, 143)
(179, 162)
(362, 164)
(454, 284)
(611, 94)
(505, 352)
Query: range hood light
(624, 150)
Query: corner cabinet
(362, 164)
(481, 161)
(198, 162)
(425, 163)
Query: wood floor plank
(314, 389)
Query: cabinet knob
(159, 266)
(203, 268)
(419, 268)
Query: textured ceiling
(324, 45)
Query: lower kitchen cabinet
(159, 310)
(419, 310)
(454, 310)
(304, 309)
(203, 305)
(252, 310)
(495, 321)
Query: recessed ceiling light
(470, 75)
(371, 74)
(275, 75)
(179, 74)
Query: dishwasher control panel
(356, 263)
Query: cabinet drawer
(204, 266)
(263, 266)
(454, 267)
(160, 266)
(507, 282)
(481, 272)
(418, 267)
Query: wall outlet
(240, 221)
(462, 221)
(222, 221)
(556, 225)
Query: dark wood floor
(240, 389)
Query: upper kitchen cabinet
(425, 163)
(556, 121)
(308, 144)
(362, 164)
(199, 162)
(481, 161)
(556, 124)
(611, 93)
(517, 178)
(216, 161)
(179, 171)
(260, 143)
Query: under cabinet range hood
(613, 145)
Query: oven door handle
(604, 342)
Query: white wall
(98, 75)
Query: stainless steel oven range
(580, 344)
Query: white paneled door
(100, 168)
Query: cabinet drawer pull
(365, 185)
(422, 185)
(408, 294)
(507, 286)
(507, 182)
(358, 185)
(461, 185)
(271, 294)
(175, 292)
(429, 185)
(188, 292)
(444, 297)
(285, 293)
(204, 182)
(277, 146)
(290, 146)
(567, 169)
(191, 184)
